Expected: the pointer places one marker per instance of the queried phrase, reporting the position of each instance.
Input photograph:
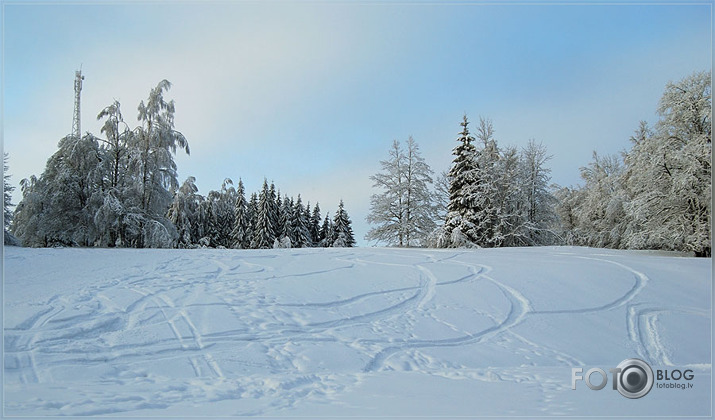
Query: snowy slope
(359, 332)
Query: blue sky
(311, 94)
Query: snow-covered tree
(280, 216)
(252, 214)
(151, 163)
(600, 212)
(326, 232)
(566, 226)
(539, 201)
(342, 229)
(315, 225)
(118, 135)
(8, 238)
(404, 211)
(263, 232)
(27, 220)
(241, 233)
(668, 172)
(118, 194)
(220, 210)
(441, 196)
(65, 198)
(183, 212)
(300, 225)
(460, 225)
(273, 205)
(497, 197)
(509, 200)
(483, 193)
(109, 192)
(386, 208)
(286, 230)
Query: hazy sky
(312, 94)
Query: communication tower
(76, 125)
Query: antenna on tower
(76, 123)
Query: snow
(349, 332)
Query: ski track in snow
(228, 332)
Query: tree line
(657, 195)
(123, 191)
(227, 219)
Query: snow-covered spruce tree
(263, 232)
(669, 172)
(252, 213)
(404, 211)
(285, 232)
(221, 216)
(8, 238)
(300, 225)
(153, 170)
(315, 225)
(183, 212)
(280, 217)
(308, 221)
(273, 202)
(326, 232)
(459, 227)
(342, 230)
(208, 216)
(241, 232)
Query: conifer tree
(241, 233)
(326, 232)
(461, 222)
(285, 223)
(315, 225)
(300, 225)
(252, 213)
(264, 233)
(8, 238)
(273, 206)
(342, 231)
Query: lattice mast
(76, 124)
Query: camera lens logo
(634, 378)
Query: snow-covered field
(350, 332)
